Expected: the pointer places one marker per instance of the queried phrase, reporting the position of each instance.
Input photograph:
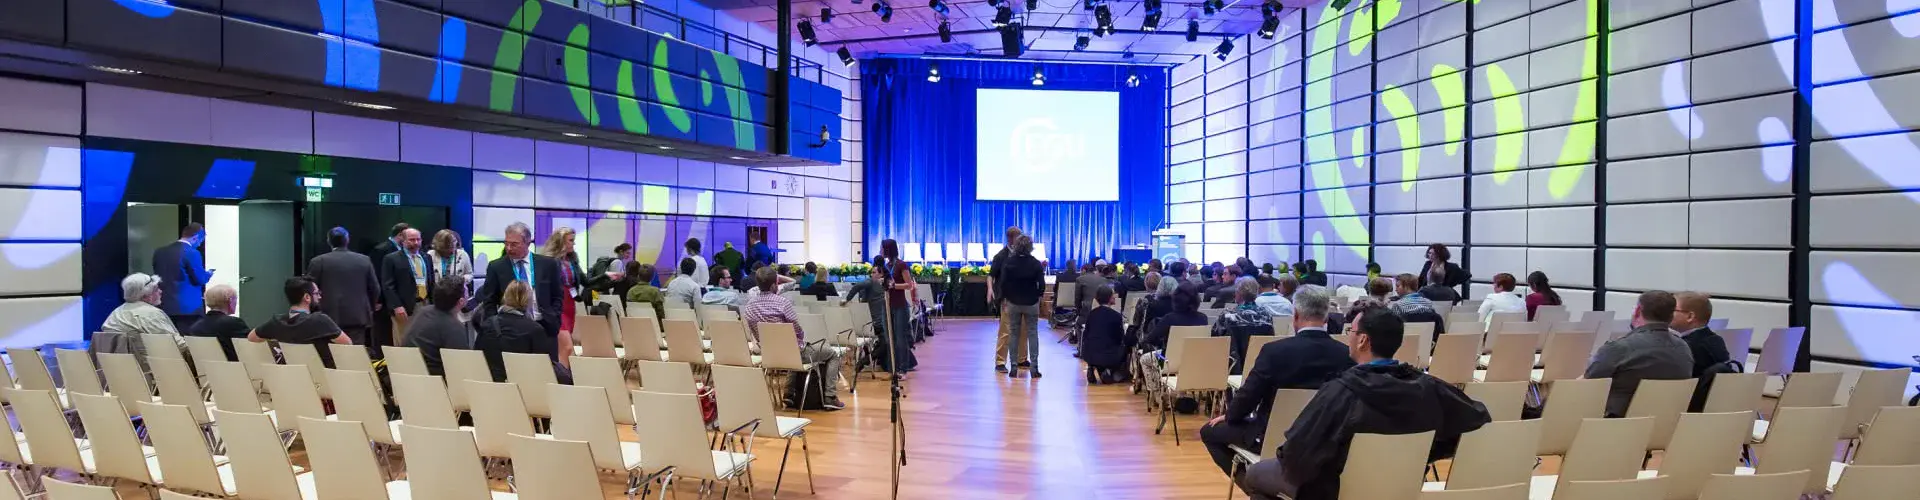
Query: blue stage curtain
(919, 141)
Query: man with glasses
(1690, 314)
(542, 273)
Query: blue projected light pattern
(352, 59)
(446, 75)
(151, 8)
(227, 179)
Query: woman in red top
(1540, 293)
(902, 359)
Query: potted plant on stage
(974, 274)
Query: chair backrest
(343, 464)
(351, 357)
(1607, 449)
(553, 469)
(49, 438)
(1652, 487)
(1801, 439)
(605, 374)
(813, 327)
(261, 468)
(462, 365)
(423, 401)
(1454, 357)
(1810, 389)
(185, 460)
(1063, 294)
(307, 357)
(641, 337)
(127, 381)
(162, 345)
(1663, 400)
(1496, 324)
(1205, 359)
(1512, 356)
(1503, 399)
(233, 387)
(1735, 392)
(10, 446)
(1718, 323)
(178, 387)
(115, 449)
(779, 348)
(1499, 453)
(674, 435)
(641, 310)
(1566, 355)
(1516, 491)
(681, 313)
(1419, 338)
(448, 467)
(1462, 316)
(1571, 403)
(498, 411)
(729, 343)
(1254, 345)
(405, 360)
(1889, 438)
(532, 373)
(666, 376)
(253, 355)
(292, 389)
(1739, 343)
(62, 490)
(1176, 341)
(683, 342)
(1778, 353)
(30, 369)
(1780, 486)
(1550, 314)
(1875, 389)
(839, 320)
(78, 372)
(1379, 466)
(1703, 444)
(595, 336)
(1287, 405)
(741, 394)
(588, 419)
(205, 348)
(1873, 482)
(356, 398)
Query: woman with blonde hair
(450, 258)
(560, 247)
(513, 330)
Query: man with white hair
(140, 315)
(220, 323)
(541, 272)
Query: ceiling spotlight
(1033, 5)
(1103, 20)
(1081, 40)
(938, 7)
(946, 32)
(110, 69)
(665, 148)
(1013, 40)
(846, 56)
(1225, 48)
(1002, 16)
(1193, 30)
(1088, 4)
(806, 34)
(826, 15)
(933, 72)
(1152, 22)
(1212, 6)
(1039, 78)
(377, 107)
(1133, 78)
(572, 134)
(1269, 26)
(884, 10)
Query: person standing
(994, 270)
(406, 284)
(729, 258)
(897, 352)
(622, 254)
(758, 253)
(450, 259)
(383, 327)
(351, 285)
(573, 286)
(183, 277)
(541, 273)
(700, 273)
(1021, 285)
(1449, 274)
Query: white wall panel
(355, 137)
(1745, 223)
(39, 214)
(247, 125)
(130, 113)
(436, 146)
(1656, 224)
(37, 106)
(39, 160)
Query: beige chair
(357, 399)
(605, 374)
(1496, 323)
(343, 465)
(780, 354)
(1571, 403)
(182, 455)
(667, 377)
(1607, 449)
(1254, 345)
(679, 312)
(589, 420)
(253, 355)
(532, 373)
(260, 467)
(1175, 346)
(405, 360)
(50, 442)
(233, 387)
(1739, 343)
(1204, 379)
(1876, 482)
(163, 345)
(127, 381)
(683, 343)
(1801, 439)
(1875, 389)
(423, 401)
(1889, 438)
(674, 437)
(730, 343)
(1781, 486)
(642, 338)
(351, 357)
(1516, 491)
(1287, 405)
(743, 399)
(1465, 326)
(1454, 356)
(1735, 392)
(641, 310)
(307, 357)
(1704, 444)
(1503, 399)
(30, 372)
(1499, 453)
(177, 387)
(1614, 489)
(554, 469)
(448, 467)
(593, 336)
(497, 413)
(1778, 352)
(1551, 314)
(1415, 345)
(62, 490)
(293, 391)
(1565, 356)
(113, 450)
(1803, 390)
(1663, 400)
(78, 372)
(461, 365)
(1380, 467)
(1512, 359)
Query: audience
(1380, 290)
(220, 323)
(1503, 299)
(139, 315)
(1157, 305)
(1690, 314)
(1542, 293)
(1105, 348)
(699, 272)
(721, 292)
(1272, 299)
(1132, 279)
(645, 294)
(684, 288)
(1243, 321)
(1437, 270)
(1069, 274)
(629, 277)
(1021, 285)
(1084, 285)
(512, 330)
(771, 307)
(820, 288)
(1437, 293)
(301, 324)
(1226, 291)
(439, 327)
(1303, 361)
(1377, 396)
(1650, 352)
(1184, 310)
(1411, 300)
(1312, 275)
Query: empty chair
(1778, 353)
(1175, 345)
(683, 343)
(641, 310)
(355, 399)
(1413, 347)
(1875, 482)
(1889, 438)
(443, 464)
(260, 466)
(1606, 449)
(1503, 399)
(671, 377)
(1734, 392)
(1516, 491)
(674, 437)
(1570, 403)
(177, 387)
(497, 413)
(62, 490)
(730, 344)
(1781, 486)
(183, 457)
(308, 357)
(1380, 466)
(343, 465)
(352, 357)
(1801, 439)
(1454, 356)
(460, 365)
(405, 360)
(292, 389)
(1875, 389)
(1616, 489)
(593, 337)
(50, 442)
(1512, 358)
(588, 420)
(680, 313)
(641, 337)
(1205, 378)
(78, 372)
(423, 401)
(554, 469)
(161, 345)
(30, 372)
(1803, 390)
(1496, 454)
(1663, 400)
(113, 450)
(1565, 356)
(532, 373)
(605, 374)
(1739, 344)
(1287, 405)
(743, 398)
(127, 381)
(253, 355)
(233, 387)
(1704, 444)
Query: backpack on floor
(804, 393)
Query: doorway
(367, 225)
(256, 269)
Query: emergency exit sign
(389, 198)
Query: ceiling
(1050, 30)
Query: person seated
(1373, 272)
(1090, 279)
(1690, 314)
(771, 307)
(1184, 310)
(1105, 346)
(721, 292)
(1540, 293)
(1227, 293)
(645, 294)
(1303, 361)
(1377, 396)
(820, 288)
(1503, 299)
(1243, 322)
(1650, 352)
(512, 330)
(809, 277)
(1438, 293)
(1380, 290)
(1313, 276)
(1271, 299)
(139, 315)
(301, 324)
(220, 323)
(439, 327)
(629, 278)
(1411, 300)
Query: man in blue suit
(183, 276)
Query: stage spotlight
(1012, 40)
(1225, 48)
(884, 10)
(1269, 26)
(826, 15)
(946, 32)
(933, 72)
(1133, 78)
(1103, 21)
(1088, 4)
(1033, 5)
(1039, 77)
(1152, 22)
(1193, 30)
(938, 7)
(1207, 7)
(846, 56)
(1002, 16)
(1081, 40)
(806, 34)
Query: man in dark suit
(383, 320)
(1304, 361)
(348, 286)
(183, 277)
(405, 284)
(520, 264)
(1690, 314)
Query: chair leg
(1175, 417)
(782, 475)
(1231, 472)
(806, 455)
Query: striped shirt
(771, 308)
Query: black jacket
(1105, 344)
(1370, 399)
(1157, 335)
(1440, 294)
(508, 332)
(1314, 278)
(1455, 278)
(1022, 280)
(396, 282)
(1304, 361)
(1708, 350)
(349, 288)
(548, 294)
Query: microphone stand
(898, 453)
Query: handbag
(709, 406)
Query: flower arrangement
(851, 270)
(929, 271)
(972, 270)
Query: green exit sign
(389, 198)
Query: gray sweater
(1650, 352)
